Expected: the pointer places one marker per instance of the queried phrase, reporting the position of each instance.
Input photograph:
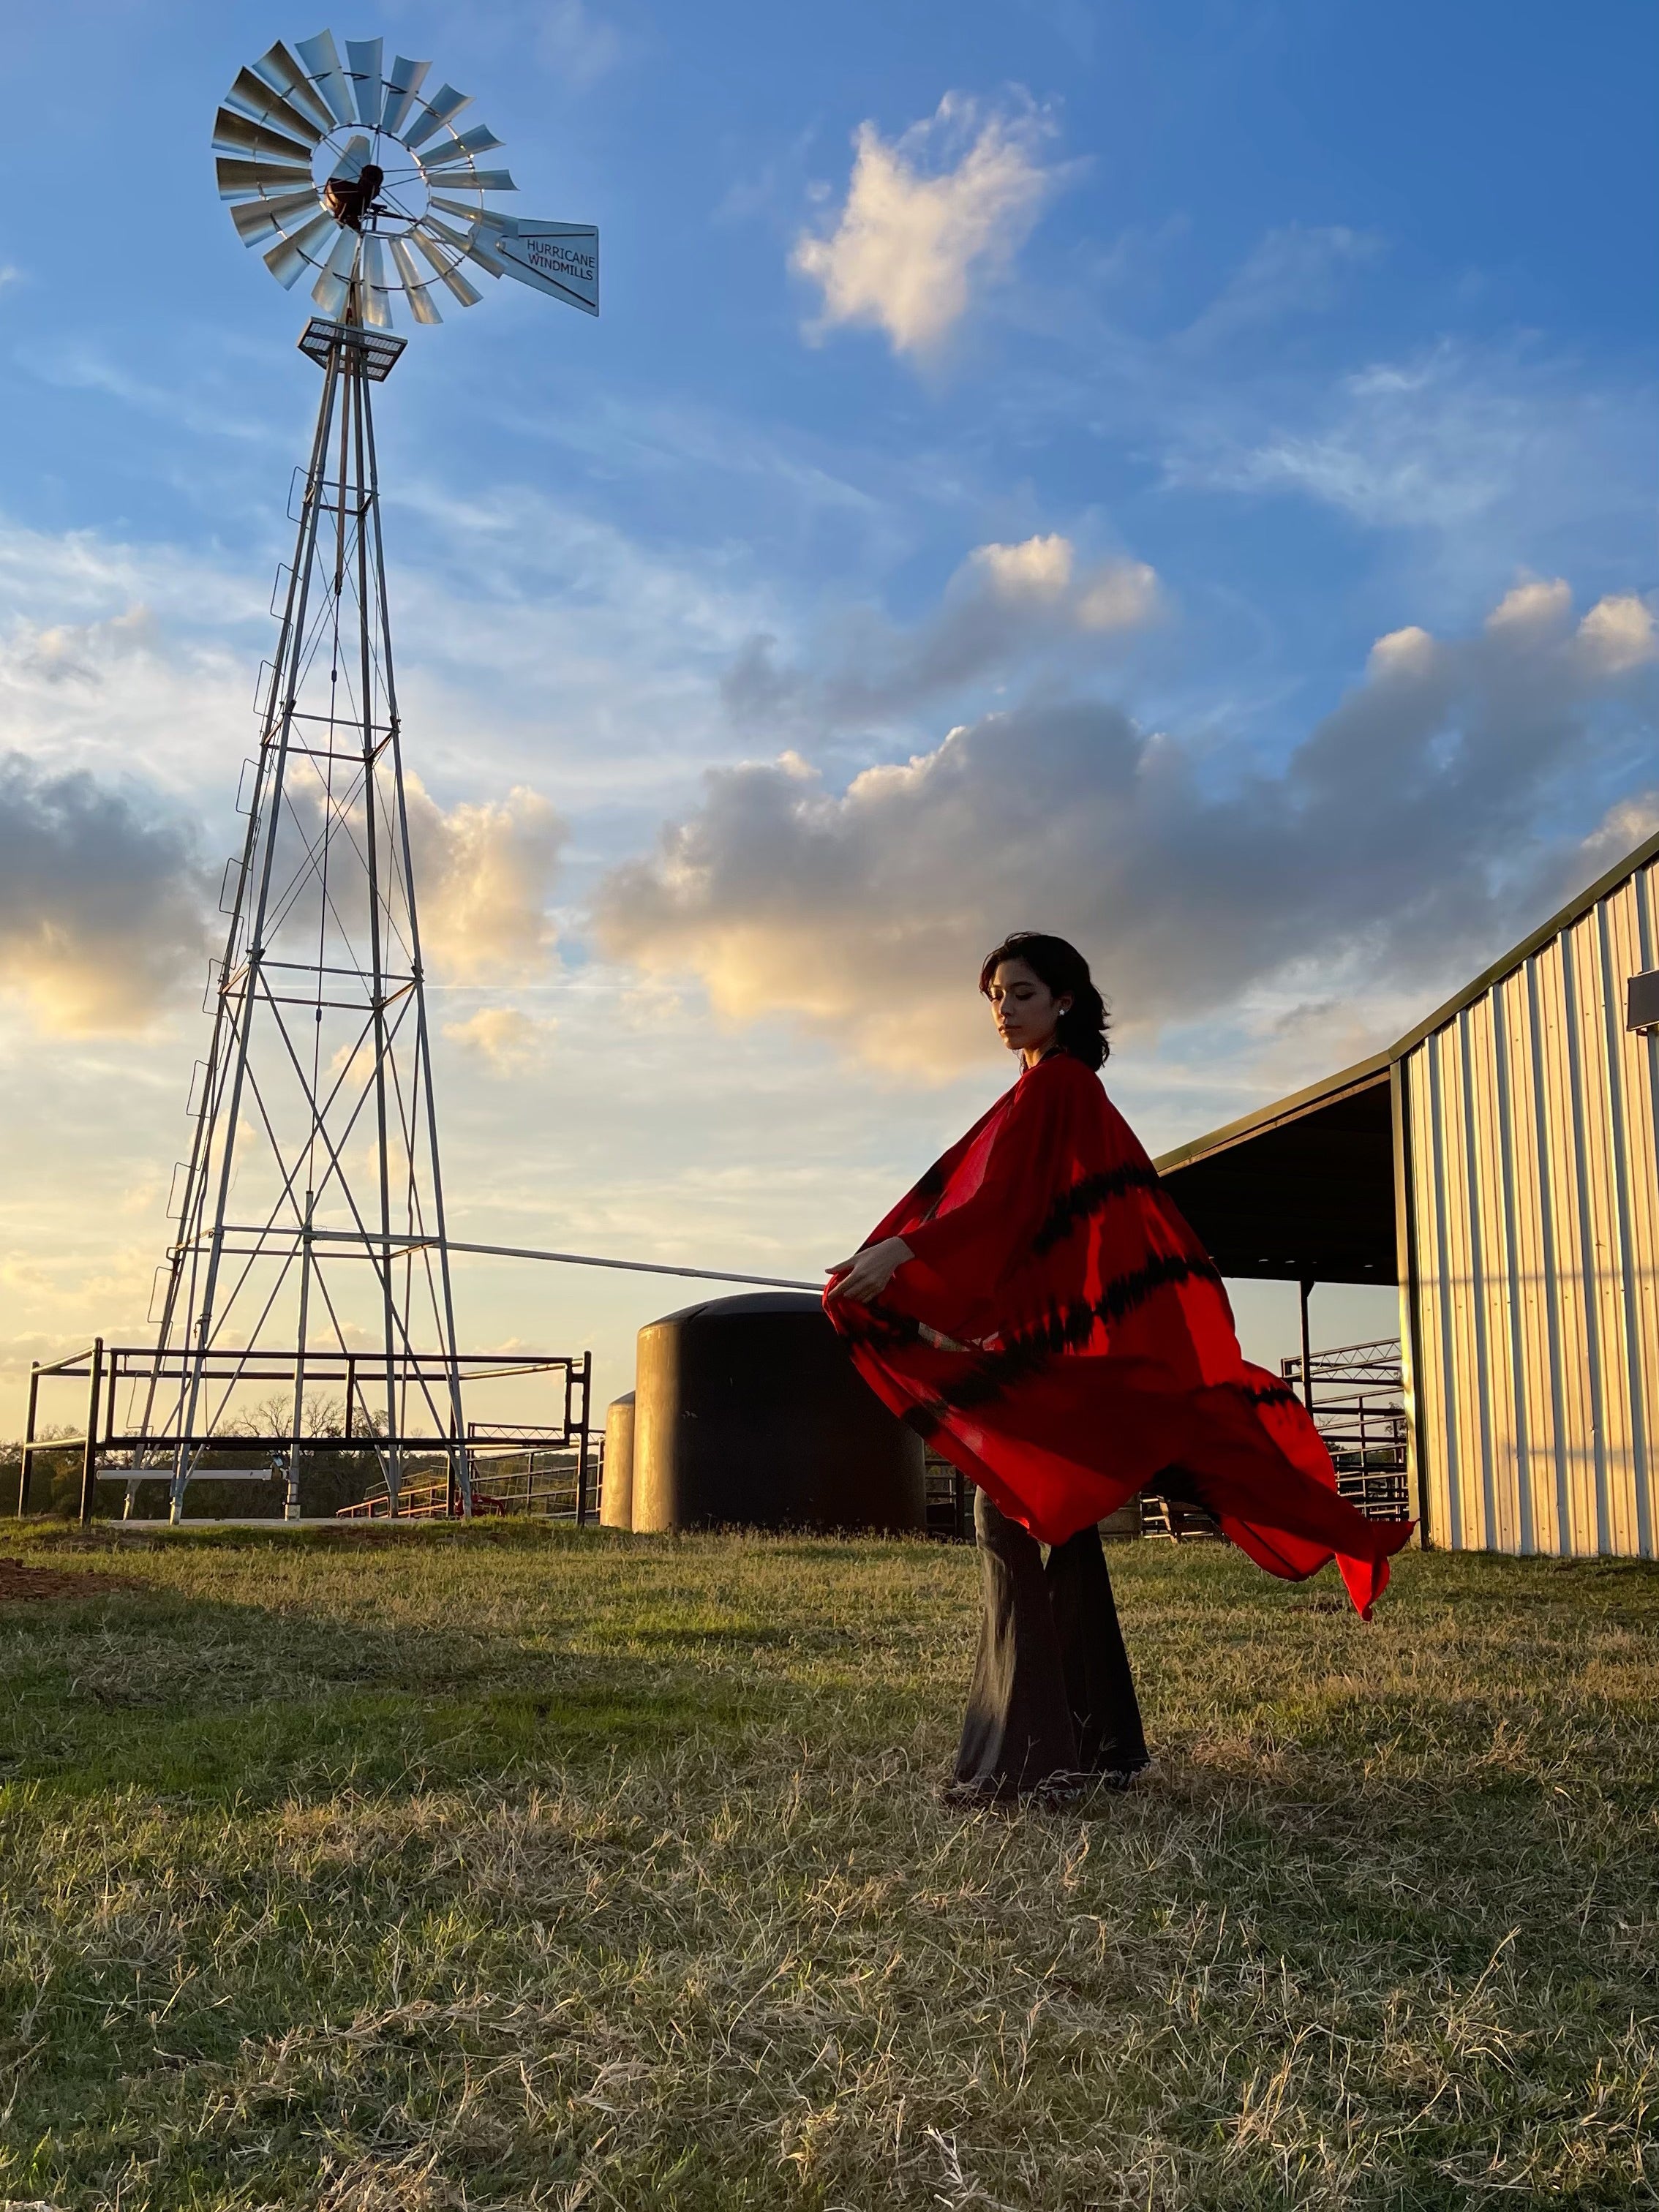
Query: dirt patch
(21, 1582)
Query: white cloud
(1412, 830)
(505, 1038)
(1532, 606)
(918, 230)
(101, 902)
(1619, 633)
(1628, 823)
(1039, 568)
(484, 872)
(1004, 606)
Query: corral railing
(127, 1438)
(1357, 1395)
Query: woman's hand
(868, 1273)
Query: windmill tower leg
(312, 1213)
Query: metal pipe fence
(114, 1448)
(1357, 1395)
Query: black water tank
(747, 1411)
(617, 1491)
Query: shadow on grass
(377, 1744)
(216, 1703)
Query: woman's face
(1027, 1012)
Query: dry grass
(510, 1870)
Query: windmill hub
(349, 199)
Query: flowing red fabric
(1062, 1338)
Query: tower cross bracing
(312, 1208)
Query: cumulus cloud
(505, 1038)
(1619, 633)
(1410, 831)
(484, 874)
(945, 205)
(101, 901)
(1003, 603)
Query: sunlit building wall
(1531, 1292)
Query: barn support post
(89, 1448)
(1305, 1286)
(26, 1454)
(582, 1446)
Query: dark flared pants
(1052, 1692)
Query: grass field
(509, 1868)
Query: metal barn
(1501, 1164)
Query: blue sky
(1137, 370)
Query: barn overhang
(1304, 1191)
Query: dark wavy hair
(1062, 967)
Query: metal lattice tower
(312, 1215)
(313, 1202)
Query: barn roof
(1305, 1189)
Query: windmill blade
(405, 81)
(241, 180)
(417, 286)
(374, 292)
(256, 219)
(349, 167)
(332, 290)
(342, 261)
(251, 95)
(288, 260)
(483, 180)
(437, 111)
(279, 69)
(322, 64)
(364, 67)
(468, 295)
(423, 306)
(236, 133)
(470, 214)
(332, 295)
(469, 248)
(441, 248)
(447, 273)
(431, 227)
(479, 140)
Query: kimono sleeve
(917, 1205)
(995, 1204)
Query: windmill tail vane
(311, 1213)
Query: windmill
(310, 1215)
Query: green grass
(508, 1869)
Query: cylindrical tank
(617, 1494)
(749, 1412)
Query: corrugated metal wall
(1530, 1131)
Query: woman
(1039, 1310)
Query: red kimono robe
(1062, 1338)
